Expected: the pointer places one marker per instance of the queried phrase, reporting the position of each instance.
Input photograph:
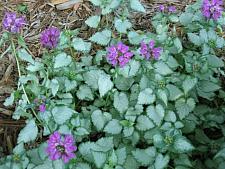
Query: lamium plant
(140, 99)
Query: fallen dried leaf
(77, 5)
(55, 2)
(67, 5)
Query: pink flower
(150, 50)
(50, 37)
(161, 8)
(172, 9)
(13, 23)
(119, 54)
(42, 108)
(61, 147)
(212, 9)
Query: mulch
(41, 14)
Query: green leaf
(80, 45)
(122, 155)
(62, 60)
(113, 159)
(195, 39)
(104, 84)
(161, 161)
(156, 113)
(203, 36)
(182, 145)
(220, 153)
(70, 85)
(113, 127)
(174, 18)
(146, 96)
(96, 2)
(220, 42)
(131, 163)
(214, 61)
(158, 140)
(188, 84)
(174, 92)
(91, 78)
(85, 150)
(80, 131)
(178, 44)
(135, 38)
(41, 151)
(9, 100)
(35, 67)
(120, 102)
(162, 95)
(99, 158)
(98, 119)
(171, 116)
(19, 149)
(137, 6)
(104, 144)
(186, 18)
(145, 156)
(162, 68)
(54, 86)
(208, 86)
(122, 25)
(130, 69)
(93, 21)
(101, 38)
(82, 166)
(144, 123)
(128, 131)
(64, 129)
(85, 93)
(25, 56)
(46, 165)
(28, 133)
(123, 83)
(184, 107)
(62, 113)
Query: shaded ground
(40, 14)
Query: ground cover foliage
(134, 99)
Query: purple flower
(13, 23)
(150, 50)
(50, 37)
(61, 147)
(42, 107)
(212, 9)
(161, 8)
(156, 52)
(172, 9)
(119, 54)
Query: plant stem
(19, 72)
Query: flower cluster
(148, 50)
(13, 23)
(171, 9)
(212, 9)
(119, 54)
(50, 37)
(61, 147)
